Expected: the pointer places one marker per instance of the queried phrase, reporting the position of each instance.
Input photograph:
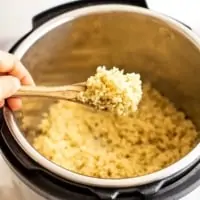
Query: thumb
(8, 86)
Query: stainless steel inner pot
(68, 49)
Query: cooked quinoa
(104, 145)
(114, 91)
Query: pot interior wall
(131, 41)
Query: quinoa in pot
(100, 144)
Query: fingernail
(16, 83)
(8, 86)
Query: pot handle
(42, 17)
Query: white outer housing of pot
(114, 183)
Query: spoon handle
(67, 92)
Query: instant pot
(73, 39)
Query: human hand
(12, 75)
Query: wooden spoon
(67, 92)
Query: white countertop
(16, 21)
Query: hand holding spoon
(109, 90)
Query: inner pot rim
(64, 173)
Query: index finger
(11, 65)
